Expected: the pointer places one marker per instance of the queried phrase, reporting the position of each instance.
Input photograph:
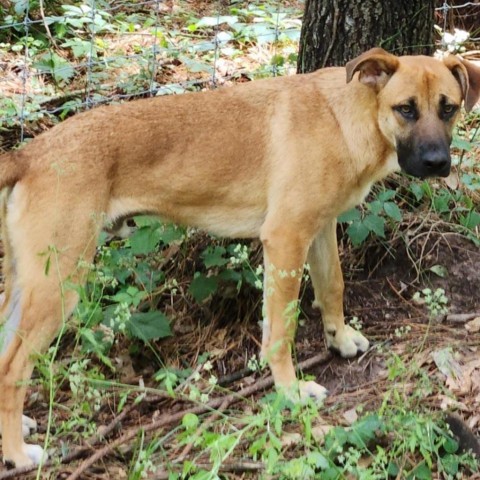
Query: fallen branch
(460, 317)
(234, 467)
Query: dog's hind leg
(46, 254)
(29, 425)
(327, 279)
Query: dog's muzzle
(425, 159)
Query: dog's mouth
(421, 171)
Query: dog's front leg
(327, 279)
(285, 252)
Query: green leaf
(441, 203)
(471, 220)
(170, 233)
(148, 326)
(450, 464)
(375, 207)
(350, 216)
(450, 445)
(202, 287)
(190, 421)
(146, 221)
(214, 21)
(392, 210)
(213, 256)
(59, 68)
(229, 275)
(461, 143)
(357, 232)
(439, 270)
(375, 224)
(417, 191)
(393, 469)
(421, 472)
(195, 66)
(364, 430)
(332, 473)
(317, 460)
(386, 195)
(144, 240)
(80, 48)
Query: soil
(379, 294)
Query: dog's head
(419, 101)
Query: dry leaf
(452, 181)
(473, 326)
(446, 363)
(350, 416)
(290, 439)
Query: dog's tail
(13, 166)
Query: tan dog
(278, 159)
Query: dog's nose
(436, 162)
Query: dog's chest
(359, 191)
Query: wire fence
(105, 51)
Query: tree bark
(335, 31)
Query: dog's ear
(468, 76)
(375, 67)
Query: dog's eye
(407, 111)
(448, 110)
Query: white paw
(312, 390)
(28, 456)
(29, 425)
(301, 391)
(348, 341)
(35, 453)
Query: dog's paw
(29, 456)
(347, 341)
(29, 426)
(301, 391)
(312, 390)
(35, 453)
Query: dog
(277, 159)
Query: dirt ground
(379, 294)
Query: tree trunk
(335, 31)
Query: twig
(401, 297)
(460, 317)
(45, 24)
(234, 467)
(103, 432)
(233, 377)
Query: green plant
(373, 218)
(225, 265)
(436, 302)
(121, 286)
